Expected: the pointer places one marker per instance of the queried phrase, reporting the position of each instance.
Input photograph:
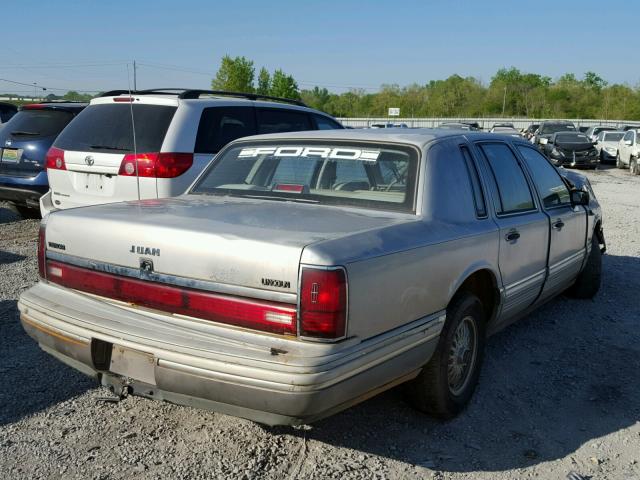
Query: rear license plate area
(133, 364)
(11, 155)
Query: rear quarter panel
(404, 272)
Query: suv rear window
(365, 175)
(108, 128)
(37, 123)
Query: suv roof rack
(189, 94)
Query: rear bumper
(24, 191)
(268, 379)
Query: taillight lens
(55, 159)
(272, 317)
(42, 252)
(157, 165)
(323, 303)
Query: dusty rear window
(109, 128)
(365, 175)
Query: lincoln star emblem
(89, 160)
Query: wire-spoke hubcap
(462, 355)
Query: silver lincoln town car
(305, 272)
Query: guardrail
(485, 123)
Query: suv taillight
(156, 165)
(323, 303)
(42, 253)
(55, 159)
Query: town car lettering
(336, 153)
(145, 250)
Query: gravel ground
(560, 392)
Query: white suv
(629, 151)
(98, 159)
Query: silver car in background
(607, 145)
(305, 272)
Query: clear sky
(85, 45)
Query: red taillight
(42, 252)
(124, 99)
(55, 159)
(158, 165)
(323, 303)
(261, 315)
(34, 106)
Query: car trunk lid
(235, 242)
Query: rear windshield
(108, 128)
(556, 127)
(364, 175)
(572, 138)
(37, 123)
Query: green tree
(76, 96)
(264, 82)
(283, 85)
(235, 75)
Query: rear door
(219, 126)
(94, 146)
(524, 228)
(568, 225)
(625, 148)
(25, 139)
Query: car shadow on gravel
(30, 379)
(7, 215)
(564, 376)
(8, 257)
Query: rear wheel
(25, 212)
(588, 281)
(448, 381)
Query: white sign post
(394, 112)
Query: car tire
(25, 212)
(444, 386)
(633, 166)
(588, 282)
(619, 161)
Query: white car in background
(505, 130)
(628, 151)
(98, 159)
(607, 145)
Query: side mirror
(628, 142)
(579, 197)
(543, 141)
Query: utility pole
(135, 77)
(504, 100)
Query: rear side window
(325, 123)
(275, 120)
(6, 113)
(220, 125)
(478, 197)
(513, 194)
(551, 188)
(37, 123)
(108, 128)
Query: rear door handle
(558, 225)
(512, 236)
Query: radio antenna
(133, 128)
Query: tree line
(510, 93)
